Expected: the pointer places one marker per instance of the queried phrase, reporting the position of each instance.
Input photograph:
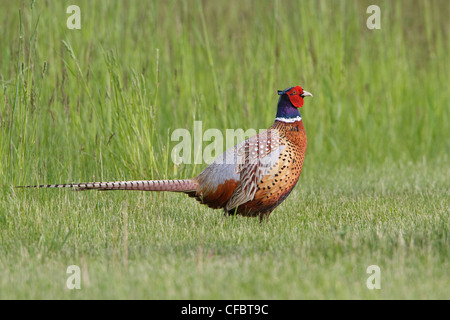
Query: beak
(306, 94)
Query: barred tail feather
(187, 185)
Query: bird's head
(295, 95)
(290, 101)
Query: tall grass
(104, 99)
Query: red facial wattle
(295, 96)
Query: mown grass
(100, 103)
(317, 245)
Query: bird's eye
(294, 92)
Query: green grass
(100, 103)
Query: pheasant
(251, 178)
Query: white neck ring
(288, 120)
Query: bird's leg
(225, 214)
(264, 217)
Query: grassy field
(100, 103)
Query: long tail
(187, 185)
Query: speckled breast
(283, 175)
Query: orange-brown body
(271, 188)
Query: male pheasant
(250, 179)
